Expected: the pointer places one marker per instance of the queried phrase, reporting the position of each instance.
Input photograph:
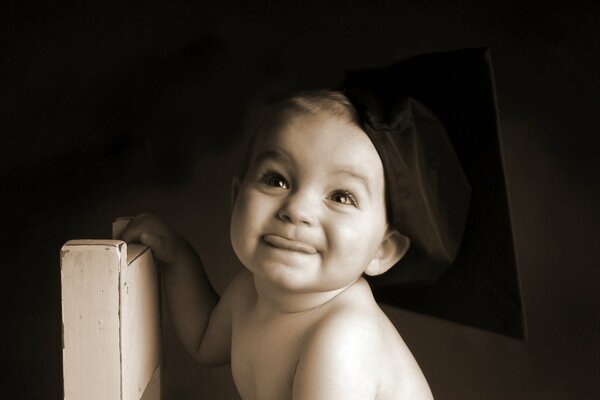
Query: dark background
(112, 108)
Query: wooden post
(111, 321)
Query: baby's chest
(264, 360)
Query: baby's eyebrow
(270, 154)
(361, 178)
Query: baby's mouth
(288, 244)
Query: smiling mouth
(280, 242)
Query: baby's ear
(393, 247)
(235, 189)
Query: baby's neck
(275, 300)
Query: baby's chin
(296, 281)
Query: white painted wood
(90, 273)
(140, 322)
(111, 321)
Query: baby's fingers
(160, 247)
(136, 226)
(150, 231)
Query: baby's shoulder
(343, 354)
(351, 327)
(349, 324)
(356, 348)
(240, 292)
(355, 307)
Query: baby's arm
(200, 320)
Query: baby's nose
(298, 208)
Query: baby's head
(310, 208)
(333, 104)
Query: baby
(309, 220)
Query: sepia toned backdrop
(110, 109)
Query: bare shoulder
(240, 290)
(355, 317)
(215, 346)
(355, 352)
(242, 281)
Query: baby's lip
(289, 244)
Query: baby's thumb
(153, 241)
(159, 246)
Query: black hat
(433, 121)
(427, 192)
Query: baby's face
(309, 215)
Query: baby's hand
(166, 244)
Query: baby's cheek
(244, 210)
(240, 225)
(358, 242)
(348, 241)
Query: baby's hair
(331, 102)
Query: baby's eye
(273, 179)
(344, 197)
